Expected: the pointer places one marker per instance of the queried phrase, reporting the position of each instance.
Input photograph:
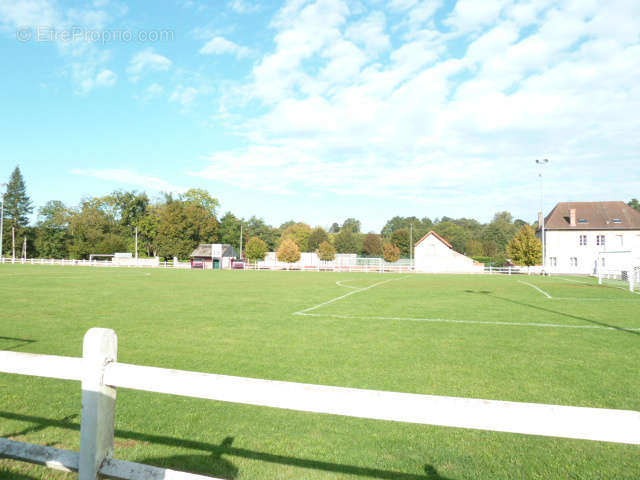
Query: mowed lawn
(493, 337)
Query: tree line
(174, 225)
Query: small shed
(213, 256)
(435, 255)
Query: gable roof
(435, 235)
(594, 216)
(209, 250)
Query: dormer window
(617, 220)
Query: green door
(216, 264)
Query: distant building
(213, 256)
(577, 232)
(433, 254)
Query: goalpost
(619, 269)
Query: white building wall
(433, 256)
(563, 245)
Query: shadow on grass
(4, 474)
(562, 314)
(15, 342)
(212, 463)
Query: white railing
(101, 374)
(383, 268)
(91, 263)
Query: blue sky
(321, 110)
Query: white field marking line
(302, 312)
(339, 283)
(537, 288)
(471, 322)
(598, 299)
(575, 281)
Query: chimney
(572, 217)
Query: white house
(576, 233)
(433, 254)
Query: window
(553, 261)
(620, 241)
(573, 261)
(583, 240)
(602, 262)
(583, 220)
(617, 220)
(600, 240)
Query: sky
(319, 110)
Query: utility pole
(541, 163)
(13, 242)
(2, 220)
(241, 242)
(24, 248)
(136, 245)
(410, 245)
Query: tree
(391, 253)
(634, 203)
(372, 245)
(230, 227)
(52, 230)
(400, 239)
(346, 242)
(501, 230)
(300, 233)
(318, 236)
(201, 198)
(473, 248)
(257, 228)
(288, 251)
(335, 228)
(525, 249)
(326, 251)
(17, 208)
(182, 226)
(256, 249)
(454, 233)
(148, 231)
(351, 224)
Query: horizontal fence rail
(101, 374)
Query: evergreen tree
(17, 207)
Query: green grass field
(491, 337)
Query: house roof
(435, 235)
(216, 250)
(593, 216)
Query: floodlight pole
(240, 242)
(136, 244)
(544, 161)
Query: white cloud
(428, 126)
(469, 15)
(370, 33)
(106, 78)
(131, 177)
(147, 60)
(222, 46)
(184, 95)
(244, 6)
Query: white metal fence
(101, 373)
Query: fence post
(100, 347)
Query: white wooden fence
(101, 373)
(90, 263)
